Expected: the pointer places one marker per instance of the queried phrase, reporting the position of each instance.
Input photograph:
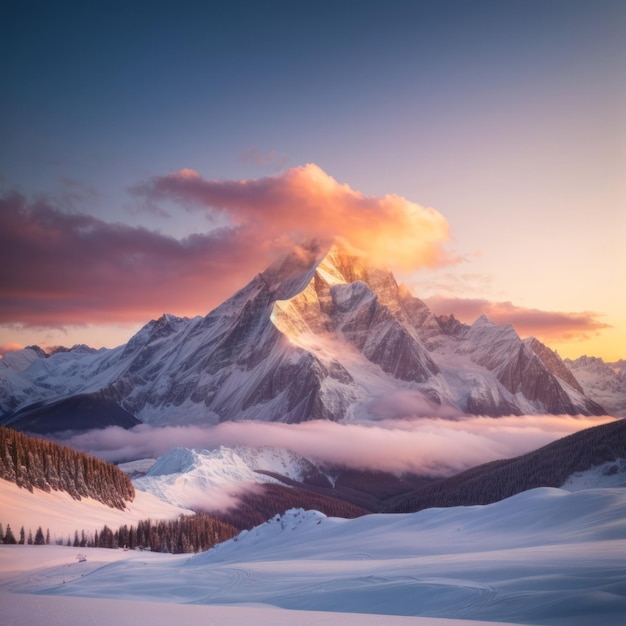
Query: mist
(428, 446)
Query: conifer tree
(39, 540)
(22, 536)
(9, 537)
(30, 537)
(1, 534)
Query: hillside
(35, 463)
(549, 466)
(76, 413)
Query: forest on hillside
(186, 533)
(549, 466)
(32, 463)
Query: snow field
(542, 557)
(60, 513)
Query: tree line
(186, 533)
(31, 462)
(9, 538)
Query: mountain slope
(549, 466)
(79, 412)
(31, 463)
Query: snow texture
(211, 479)
(545, 556)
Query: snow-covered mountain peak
(20, 359)
(481, 321)
(290, 274)
(202, 478)
(176, 461)
(604, 381)
(318, 335)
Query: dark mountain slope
(77, 413)
(549, 466)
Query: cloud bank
(305, 202)
(70, 268)
(437, 447)
(60, 268)
(545, 325)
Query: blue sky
(506, 117)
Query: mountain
(21, 359)
(71, 414)
(315, 336)
(245, 486)
(605, 382)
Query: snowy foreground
(545, 556)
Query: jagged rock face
(312, 337)
(554, 362)
(347, 302)
(526, 369)
(526, 374)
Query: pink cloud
(68, 268)
(305, 202)
(425, 445)
(545, 325)
(61, 269)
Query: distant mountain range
(315, 336)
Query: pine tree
(47, 536)
(22, 536)
(39, 540)
(9, 537)
(1, 534)
(30, 537)
(76, 543)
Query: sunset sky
(154, 156)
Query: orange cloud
(65, 269)
(545, 325)
(305, 202)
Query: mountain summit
(314, 336)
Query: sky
(155, 156)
